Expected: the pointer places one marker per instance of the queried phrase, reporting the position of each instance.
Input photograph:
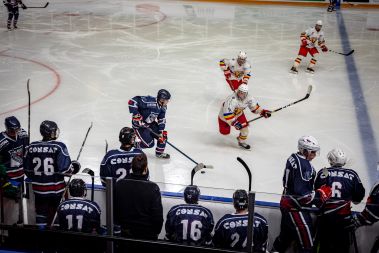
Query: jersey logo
(238, 74)
(16, 156)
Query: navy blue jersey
(12, 153)
(79, 215)
(189, 223)
(346, 188)
(231, 232)
(149, 109)
(43, 160)
(298, 181)
(117, 163)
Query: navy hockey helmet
(127, 136)
(240, 199)
(191, 194)
(77, 188)
(49, 130)
(12, 123)
(163, 94)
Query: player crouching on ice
(308, 41)
(149, 120)
(231, 114)
(236, 71)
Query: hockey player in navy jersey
(298, 197)
(231, 229)
(46, 162)
(13, 13)
(190, 223)
(149, 120)
(335, 222)
(370, 214)
(79, 214)
(117, 163)
(13, 142)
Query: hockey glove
(324, 49)
(162, 138)
(322, 195)
(11, 190)
(137, 120)
(304, 42)
(227, 74)
(75, 165)
(238, 125)
(266, 113)
(23, 6)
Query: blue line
(370, 149)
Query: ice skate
(15, 27)
(9, 28)
(310, 70)
(243, 145)
(163, 155)
(293, 70)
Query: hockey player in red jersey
(308, 40)
(231, 114)
(236, 71)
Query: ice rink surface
(86, 59)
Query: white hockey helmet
(242, 55)
(243, 88)
(308, 143)
(336, 157)
(319, 22)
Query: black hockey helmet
(12, 123)
(77, 188)
(127, 136)
(49, 130)
(163, 94)
(240, 199)
(191, 194)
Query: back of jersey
(79, 215)
(189, 223)
(231, 232)
(43, 162)
(346, 187)
(117, 163)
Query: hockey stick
(27, 86)
(347, 54)
(106, 146)
(92, 174)
(84, 141)
(38, 7)
(181, 152)
(198, 167)
(69, 179)
(247, 170)
(290, 104)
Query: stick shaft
(27, 85)
(290, 104)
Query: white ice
(86, 59)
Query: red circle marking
(57, 82)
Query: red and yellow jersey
(312, 36)
(233, 107)
(238, 72)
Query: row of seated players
(47, 161)
(139, 213)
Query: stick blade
(46, 5)
(351, 52)
(89, 172)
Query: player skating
(308, 41)
(149, 120)
(231, 114)
(236, 71)
(12, 6)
